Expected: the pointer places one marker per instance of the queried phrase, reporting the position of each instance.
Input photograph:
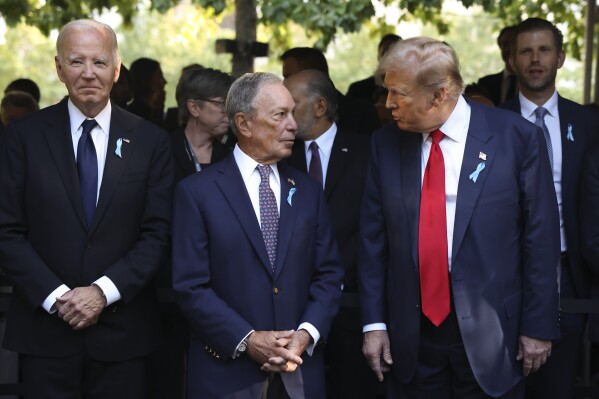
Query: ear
(192, 107)
(117, 71)
(511, 61)
(243, 124)
(561, 58)
(59, 70)
(439, 96)
(320, 107)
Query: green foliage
(321, 19)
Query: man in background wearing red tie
(459, 249)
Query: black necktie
(87, 166)
(315, 169)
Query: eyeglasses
(219, 103)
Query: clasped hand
(278, 351)
(81, 306)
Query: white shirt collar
(324, 141)
(247, 165)
(527, 107)
(456, 126)
(77, 117)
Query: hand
(297, 345)
(81, 307)
(534, 353)
(376, 347)
(262, 347)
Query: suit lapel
(569, 148)
(60, 142)
(337, 163)
(287, 214)
(410, 155)
(477, 148)
(298, 156)
(114, 167)
(231, 185)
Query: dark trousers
(443, 370)
(556, 379)
(79, 377)
(348, 375)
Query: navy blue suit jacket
(45, 241)
(584, 124)
(505, 245)
(224, 281)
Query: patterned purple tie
(87, 166)
(269, 215)
(315, 169)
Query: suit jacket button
(275, 290)
(88, 244)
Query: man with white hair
(458, 276)
(84, 226)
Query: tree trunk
(246, 20)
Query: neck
(196, 137)
(538, 97)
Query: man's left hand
(297, 345)
(81, 307)
(533, 353)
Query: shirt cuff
(313, 333)
(48, 304)
(235, 354)
(374, 327)
(110, 291)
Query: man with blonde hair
(84, 226)
(458, 242)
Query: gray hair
(200, 84)
(87, 24)
(318, 84)
(243, 92)
(435, 63)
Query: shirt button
(275, 290)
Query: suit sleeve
(134, 271)
(208, 314)
(325, 287)
(540, 242)
(589, 209)
(22, 263)
(373, 257)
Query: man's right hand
(377, 350)
(263, 348)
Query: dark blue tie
(540, 113)
(87, 166)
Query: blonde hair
(434, 63)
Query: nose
(88, 70)
(390, 103)
(292, 125)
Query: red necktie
(432, 237)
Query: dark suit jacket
(505, 245)
(224, 280)
(584, 124)
(344, 187)
(45, 242)
(589, 226)
(363, 89)
(184, 165)
(356, 114)
(492, 83)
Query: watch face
(243, 347)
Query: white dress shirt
(100, 137)
(452, 146)
(325, 146)
(527, 109)
(251, 178)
